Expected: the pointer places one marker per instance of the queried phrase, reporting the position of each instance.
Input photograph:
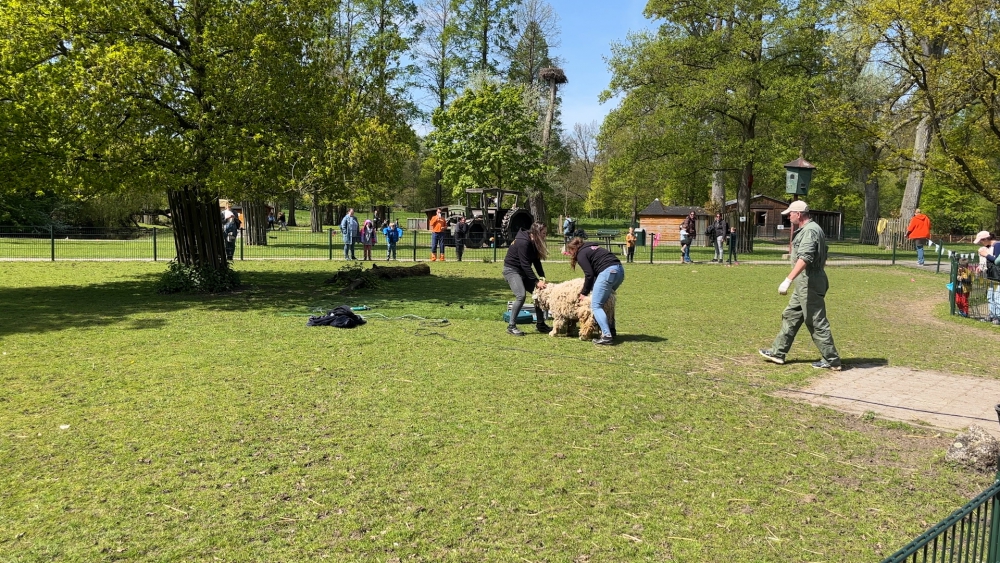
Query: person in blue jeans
(603, 274)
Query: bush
(193, 279)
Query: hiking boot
(434, 257)
(441, 257)
(511, 329)
(823, 364)
(772, 356)
(542, 327)
(604, 340)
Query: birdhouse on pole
(798, 174)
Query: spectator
(569, 228)
(461, 232)
(630, 245)
(733, 240)
(603, 273)
(688, 231)
(717, 232)
(988, 253)
(526, 250)
(437, 225)
(270, 220)
(919, 231)
(369, 238)
(393, 232)
(963, 284)
(350, 231)
(282, 225)
(230, 228)
(807, 304)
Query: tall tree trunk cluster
(197, 222)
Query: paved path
(946, 401)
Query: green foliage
(354, 274)
(488, 138)
(180, 278)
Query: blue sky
(589, 27)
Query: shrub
(193, 279)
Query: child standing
(630, 245)
(368, 238)
(963, 283)
(733, 238)
(392, 234)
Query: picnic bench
(608, 236)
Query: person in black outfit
(527, 250)
(603, 272)
(461, 231)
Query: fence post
(242, 236)
(414, 245)
(650, 243)
(954, 282)
(52, 242)
(329, 244)
(494, 250)
(154, 244)
(940, 252)
(994, 548)
(894, 251)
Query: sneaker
(543, 328)
(823, 364)
(514, 331)
(604, 340)
(771, 356)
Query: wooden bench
(607, 236)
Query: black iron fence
(51, 243)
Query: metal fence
(974, 296)
(50, 243)
(970, 534)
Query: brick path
(942, 400)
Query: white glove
(783, 288)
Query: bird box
(798, 174)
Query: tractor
(493, 214)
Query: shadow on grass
(850, 363)
(639, 338)
(55, 308)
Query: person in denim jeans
(989, 251)
(603, 273)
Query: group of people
(522, 268)
(989, 251)
(719, 232)
(367, 234)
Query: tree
(488, 138)
(538, 28)
(485, 28)
(729, 80)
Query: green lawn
(141, 427)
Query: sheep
(568, 310)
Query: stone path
(942, 400)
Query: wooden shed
(769, 223)
(666, 222)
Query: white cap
(982, 235)
(798, 206)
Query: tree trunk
(330, 215)
(718, 180)
(315, 219)
(254, 223)
(290, 218)
(869, 234)
(915, 179)
(745, 229)
(197, 225)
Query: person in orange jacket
(438, 226)
(919, 232)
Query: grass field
(141, 427)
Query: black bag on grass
(341, 317)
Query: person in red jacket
(919, 232)
(437, 225)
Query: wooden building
(665, 221)
(769, 223)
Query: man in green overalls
(807, 303)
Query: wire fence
(971, 293)
(157, 244)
